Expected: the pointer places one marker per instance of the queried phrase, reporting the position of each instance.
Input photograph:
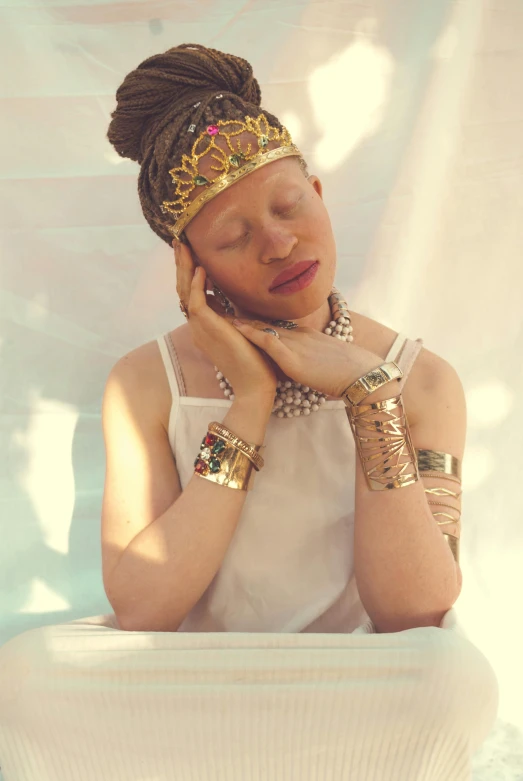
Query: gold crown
(231, 167)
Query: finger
(197, 299)
(267, 341)
(184, 271)
(186, 266)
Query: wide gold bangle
(226, 459)
(388, 458)
(371, 381)
(437, 461)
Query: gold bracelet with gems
(226, 459)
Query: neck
(317, 320)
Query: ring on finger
(271, 331)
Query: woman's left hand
(324, 363)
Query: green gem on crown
(200, 180)
(236, 159)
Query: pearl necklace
(292, 398)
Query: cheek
(231, 280)
(319, 218)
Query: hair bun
(173, 81)
(163, 106)
(223, 72)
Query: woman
(288, 486)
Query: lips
(291, 273)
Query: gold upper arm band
(434, 463)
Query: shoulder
(433, 382)
(140, 364)
(144, 370)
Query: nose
(280, 242)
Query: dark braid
(155, 106)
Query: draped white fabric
(410, 113)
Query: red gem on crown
(213, 130)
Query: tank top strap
(404, 352)
(172, 366)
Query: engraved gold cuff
(370, 382)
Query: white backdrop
(410, 112)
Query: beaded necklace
(292, 398)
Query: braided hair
(155, 106)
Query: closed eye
(292, 207)
(240, 241)
(236, 243)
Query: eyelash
(239, 242)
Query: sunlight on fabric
(489, 404)
(294, 125)
(363, 73)
(478, 465)
(486, 615)
(42, 599)
(47, 479)
(446, 43)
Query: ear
(316, 183)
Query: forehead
(263, 181)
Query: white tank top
(290, 564)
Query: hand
(322, 362)
(246, 367)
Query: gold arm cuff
(380, 455)
(437, 461)
(370, 382)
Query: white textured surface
(412, 117)
(243, 705)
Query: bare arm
(168, 566)
(406, 573)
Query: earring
(229, 309)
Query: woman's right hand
(247, 368)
